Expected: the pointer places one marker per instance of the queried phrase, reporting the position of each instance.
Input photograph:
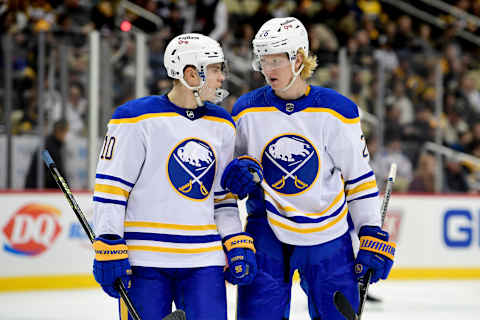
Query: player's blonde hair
(310, 64)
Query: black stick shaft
(86, 227)
(383, 211)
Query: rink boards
(43, 246)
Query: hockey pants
(323, 269)
(200, 292)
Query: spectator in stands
(54, 144)
(471, 94)
(404, 36)
(207, 17)
(400, 100)
(455, 125)
(425, 177)
(102, 15)
(393, 153)
(455, 178)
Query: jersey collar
(289, 106)
(190, 114)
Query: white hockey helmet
(281, 35)
(191, 49)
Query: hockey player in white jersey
(165, 224)
(315, 165)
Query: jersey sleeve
(347, 146)
(241, 138)
(226, 213)
(119, 165)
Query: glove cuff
(373, 231)
(110, 249)
(376, 245)
(251, 158)
(238, 240)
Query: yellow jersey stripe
(158, 225)
(105, 188)
(259, 109)
(310, 230)
(333, 113)
(143, 117)
(217, 119)
(227, 196)
(174, 250)
(362, 187)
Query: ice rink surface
(411, 300)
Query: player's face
(215, 75)
(215, 78)
(277, 69)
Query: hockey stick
(176, 315)
(341, 302)
(86, 227)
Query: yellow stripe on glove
(106, 252)
(240, 241)
(376, 245)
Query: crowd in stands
(371, 31)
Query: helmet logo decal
(180, 41)
(291, 164)
(191, 168)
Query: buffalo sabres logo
(290, 163)
(191, 168)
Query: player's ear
(190, 75)
(299, 60)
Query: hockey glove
(375, 253)
(242, 264)
(111, 262)
(238, 176)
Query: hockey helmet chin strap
(195, 90)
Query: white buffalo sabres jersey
(315, 163)
(158, 183)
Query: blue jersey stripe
(366, 175)
(224, 205)
(171, 237)
(113, 178)
(370, 195)
(300, 219)
(105, 200)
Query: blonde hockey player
(165, 224)
(315, 165)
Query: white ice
(412, 300)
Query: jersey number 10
(107, 150)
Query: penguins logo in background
(290, 164)
(191, 168)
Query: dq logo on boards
(32, 229)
